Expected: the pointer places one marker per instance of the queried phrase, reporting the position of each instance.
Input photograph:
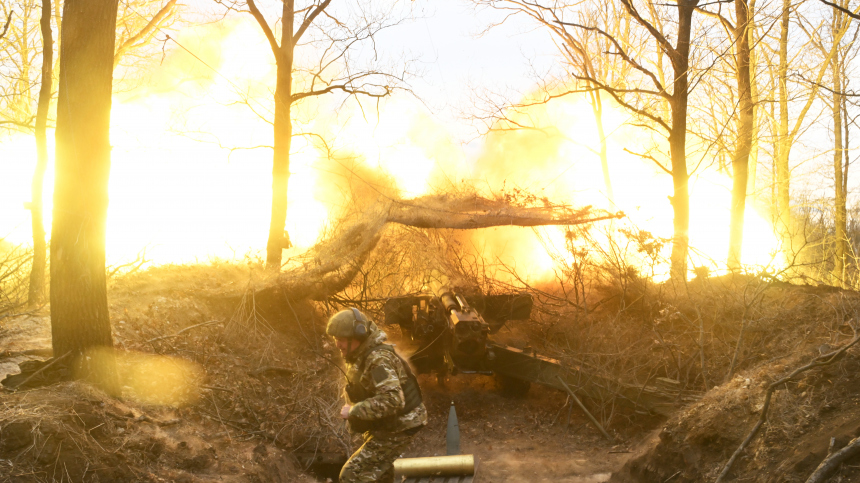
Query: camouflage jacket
(381, 373)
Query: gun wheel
(511, 386)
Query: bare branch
(650, 158)
(837, 7)
(145, 33)
(8, 22)
(273, 43)
(615, 93)
(723, 20)
(309, 20)
(658, 36)
(833, 461)
(621, 53)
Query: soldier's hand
(344, 411)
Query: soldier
(384, 401)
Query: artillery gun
(452, 333)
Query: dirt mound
(805, 414)
(257, 395)
(72, 432)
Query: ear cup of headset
(360, 324)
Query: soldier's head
(349, 328)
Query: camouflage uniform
(379, 372)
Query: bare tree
(841, 58)
(79, 310)
(740, 35)
(785, 136)
(640, 99)
(331, 39)
(19, 55)
(22, 112)
(37, 271)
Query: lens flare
(149, 378)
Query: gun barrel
(449, 302)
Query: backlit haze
(178, 191)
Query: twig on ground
(216, 388)
(184, 330)
(29, 312)
(282, 370)
(46, 366)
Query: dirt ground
(524, 439)
(262, 395)
(244, 394)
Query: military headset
(359, 325)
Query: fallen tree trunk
(472, 211)
(332, 264)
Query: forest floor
(215, 390)
(262, 401)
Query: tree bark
(678, 142)
(36, 295)
(783, 141)
(840, 222)
(79, 310)
(846, 151)
(743, 145)
(283, 130)
(753, 159)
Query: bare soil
(526, 439)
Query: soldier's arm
(388, 398)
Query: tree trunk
(743, 145)
(678, 142)
(753, 162)
(846, 151)
(783, 141)
(278, 237)
(597, 109)
(36, 295)
(839, 231)
(79, 310)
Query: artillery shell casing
(436, 466)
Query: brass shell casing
(436, 466)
